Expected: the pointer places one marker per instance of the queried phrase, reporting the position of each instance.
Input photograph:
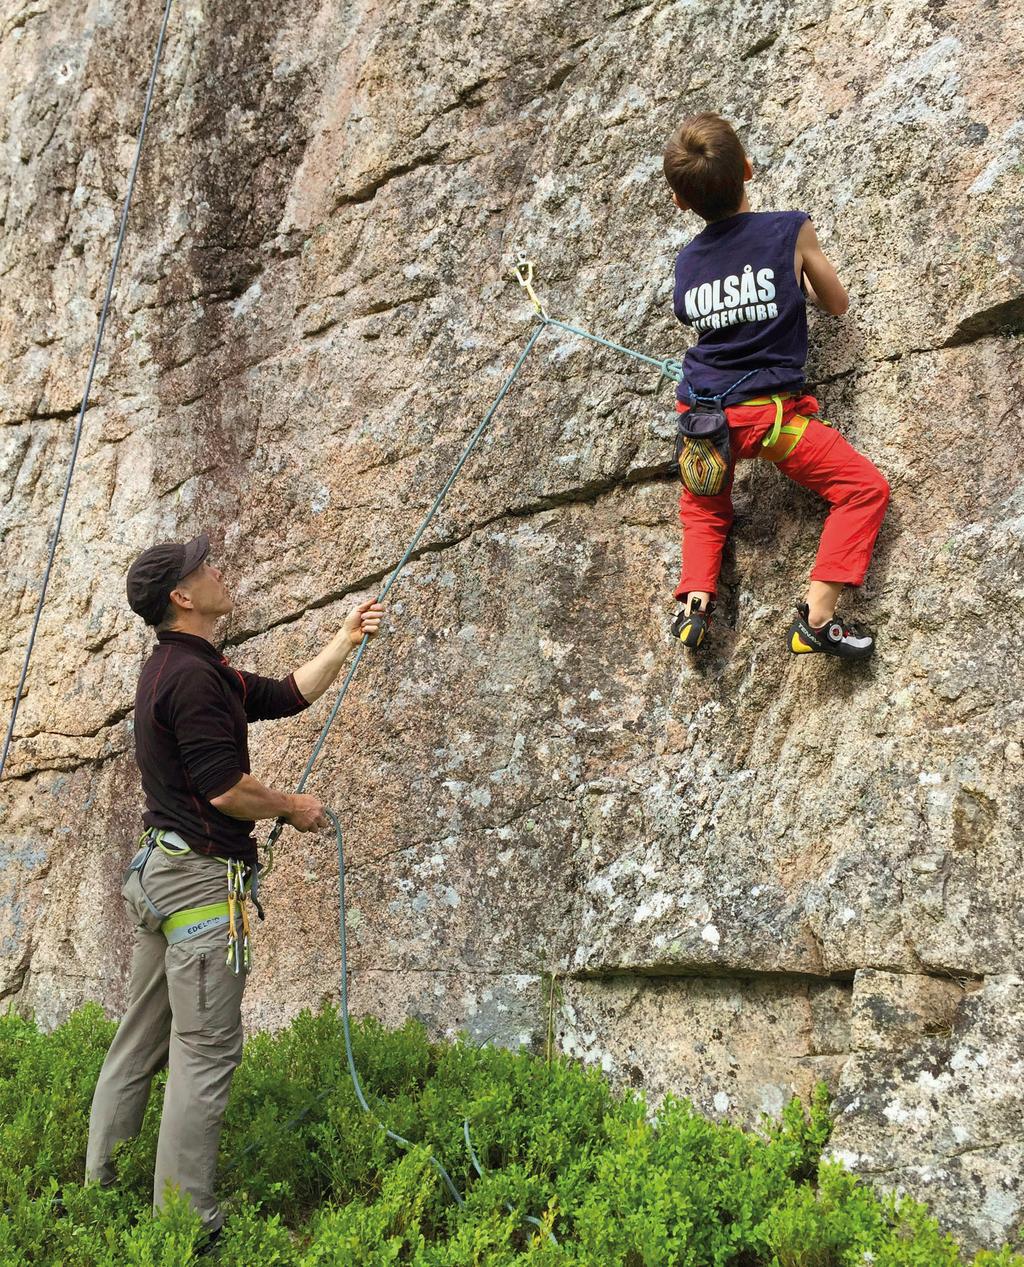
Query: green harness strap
(183, 925)
(794, 429)
(189, 923)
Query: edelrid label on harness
(190, 923)
(193, 930)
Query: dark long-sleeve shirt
(192, 711)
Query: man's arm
(250, 799)
(269, 698)
(822, 282)
(314, 678)
(198, 716)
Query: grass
(612, 1183)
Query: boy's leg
(858, 495)
(139, 1049)
(822, 597)
(706, 522)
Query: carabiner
(522, 270)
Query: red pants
(856, 491)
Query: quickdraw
(238, 957)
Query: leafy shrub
(308, 1180)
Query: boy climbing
(741, 284)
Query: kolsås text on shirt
(726, 301)
(735, 284)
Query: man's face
(205, 589)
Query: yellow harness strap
(782, 439)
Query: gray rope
(88, 385)
(525, 1218)
(356, 1084)
(670, 369)
(417, 537)
(318, 746)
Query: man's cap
(156, 572)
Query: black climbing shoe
(836, 638)
(691, 624)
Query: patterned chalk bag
(702, 449)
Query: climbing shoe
(691, 624)
(836, 637)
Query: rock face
(727, 877)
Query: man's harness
(243, 882)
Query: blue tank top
(736, 285)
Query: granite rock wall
(727, 876)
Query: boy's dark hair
(704, 166)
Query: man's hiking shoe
(690, 626)
(834, 638)
(209, 1246)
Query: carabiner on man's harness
(191, 922)
(238, 956)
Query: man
(191, 713)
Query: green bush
(308, 1180)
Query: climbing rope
(88, 385)
(524, 273)
(357, 1086)
(409, 551)
(346, 1027)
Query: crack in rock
(1001, 320)
(368, 191)
(583, 494)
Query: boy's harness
(186, 924)
(783, 438)
(703, 450)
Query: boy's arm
(814, 271)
